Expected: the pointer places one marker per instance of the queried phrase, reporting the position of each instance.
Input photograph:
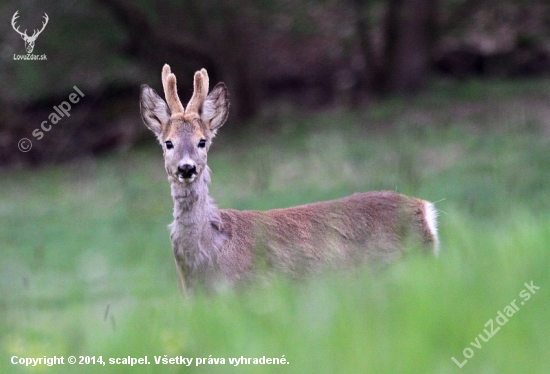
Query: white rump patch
(430, 216)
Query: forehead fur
(187, 125)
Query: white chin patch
(187, 180)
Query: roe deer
(215, 246)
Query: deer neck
(196, 230)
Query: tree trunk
(363, 31)
(410, 33)
(238, 63)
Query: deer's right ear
(215, 108)
(154, 111)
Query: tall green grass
(86, 265)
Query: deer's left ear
(215, 108)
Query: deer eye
(202, 143)
(169, 144)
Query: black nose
(187, 171)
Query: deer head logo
(29, 40)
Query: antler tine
(165, 73)
(44, 23)
(13, 20)
(200, 91)
(171, 91)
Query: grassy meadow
(86, 267)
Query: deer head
(185, 134)
(29, 40)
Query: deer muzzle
(187, 172)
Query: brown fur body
(334, 234)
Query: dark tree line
(312, 53)
(229, 38)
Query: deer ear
(215, 108)
(154, 111)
